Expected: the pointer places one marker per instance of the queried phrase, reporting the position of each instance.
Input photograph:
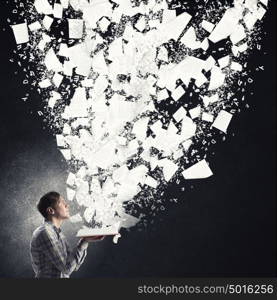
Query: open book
(86, 231)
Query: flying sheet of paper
(208, 26)
(222, 121)
(75, 28)
(47, 22)
(43, 7)
(58, 11)
(35, 26)
(52, 62)
(198, 171)
(21, 33)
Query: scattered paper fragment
(88, 83)
(180, 114)
(58, 11)
(70, 193)
(217, 78)
(205, 44)
(178, 93)
(35, 26)
(44, 41)
(243, 47)
(116, 237)
(45, 83)
(78, 106)
(75, 28)
(151, 182)
(63, 50)
(174, 28)
(261, 12)
(64, 3)
(154, 23)
(104, 24)
(189, 39)
(198, 171)
(71, 179)
(235, 51)
(53, 99)
(60, 141)
(66, 129)
(140, 128)
(52, 62)
(186, 144)
(265, 2)
(178, 154)
(163, 54)
(226, 25)
(207, 117)
(47, 22)
(195, 112)
(250, 20)
(169, 169)
(210, 99)
(66, 153)
(209, 63)
(224, 61)
(222, 121)
(141, 24)
(57, 79)
(236, 66)
(208, 26)
(128, 220)
(188, 128)
(238, 35)
(21, 33)
(43, 7)
(162, 95)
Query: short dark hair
(47, 200)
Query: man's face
(62, 209)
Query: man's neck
(56, 222)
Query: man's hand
(94, 238)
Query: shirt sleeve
(80, 251)
(52, 250)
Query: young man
(51, 256)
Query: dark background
(223, 226)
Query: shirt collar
(58, 230)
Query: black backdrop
(223, 226)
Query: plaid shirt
(51, 256)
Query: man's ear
(50, 211)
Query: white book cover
(86, 231)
